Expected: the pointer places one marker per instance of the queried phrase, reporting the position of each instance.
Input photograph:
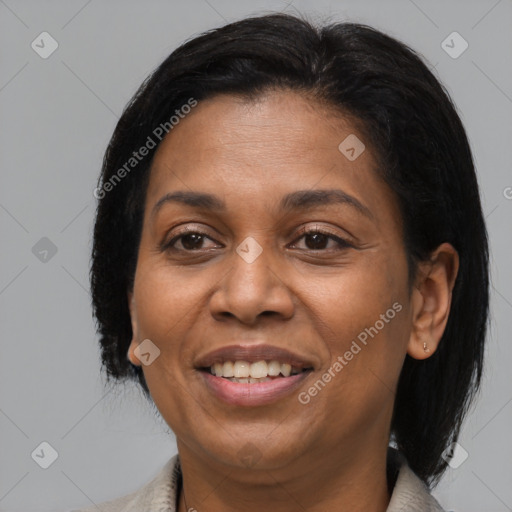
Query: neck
(354, 482)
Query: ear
(133, 344)
(431, 300)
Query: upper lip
(252, 353)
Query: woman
(290, 256)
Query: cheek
(167, 302)
(355, 298)
(363, 313)
(166, 297)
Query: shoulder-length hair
(424, 157)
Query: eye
(190, 240)
(316, 239)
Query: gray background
(57, 116)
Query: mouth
(244, 372)
(250, 375)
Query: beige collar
(159, 495)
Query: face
(295, 255)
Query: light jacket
(160, 495)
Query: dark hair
(425, 158)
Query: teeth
(243, 371)
(250, 380)
(227, 370)
(286, 369)
(259, 370)
(274, 368)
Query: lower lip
(250, 395)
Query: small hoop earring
(425, 348)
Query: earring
(425, 348)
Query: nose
(252, 289)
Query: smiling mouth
(244, 372)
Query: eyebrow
(298, 200)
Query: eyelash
(342, 243)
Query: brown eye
(192, 241)
(318, 240)
(189, 241)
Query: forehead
(263, 148)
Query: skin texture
(328, 454)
